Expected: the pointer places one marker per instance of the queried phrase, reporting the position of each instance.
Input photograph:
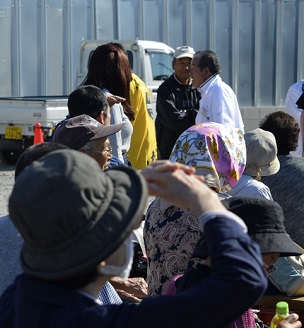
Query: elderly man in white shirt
(293, 94)
(218, 102)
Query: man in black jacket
(177, 103)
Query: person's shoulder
(254, 187)
(291, 162)
(215, 84)
(136, 79)
(220, 84)
(115, 161)
(296, 86)
(168, 84)
(137, 82)
(137, 86)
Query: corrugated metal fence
(259, 42)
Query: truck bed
(29, 110)
(18, 116)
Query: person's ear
(173, 64)
(207, 71)
(100, 117)
(100, 267)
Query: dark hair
(89, 100)
(118, 45)
(285, 129)
(208, 59)
(109, 68)
(34, 152)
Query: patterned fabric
(219, 153)
(246, 320)
(108, 295)
(216, 151)
(170, 238)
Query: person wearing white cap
(218, 102)
(177, 103)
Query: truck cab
(150, 60)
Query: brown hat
(79, 130)
(75, 216)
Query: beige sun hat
(262, 152)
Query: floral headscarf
(217, 151)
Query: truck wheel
(9, 157)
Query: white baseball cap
(184, 51)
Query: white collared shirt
(218, 104)
(293, 94)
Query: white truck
(150, 60)
(18, 116)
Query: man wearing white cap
(218, 102)
(177, 103)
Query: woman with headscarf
(218, 152)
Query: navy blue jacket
(236, 283)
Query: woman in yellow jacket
(143, 148)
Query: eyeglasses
(108, 150)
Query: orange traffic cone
(38, 137)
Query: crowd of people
(226, 205)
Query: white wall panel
(259, 42)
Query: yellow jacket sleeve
(143, 148)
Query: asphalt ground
(7, 173)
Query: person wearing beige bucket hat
(262, 160)
(76, 224)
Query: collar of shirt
(203, 87)
(177, 80)
(96, 300)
